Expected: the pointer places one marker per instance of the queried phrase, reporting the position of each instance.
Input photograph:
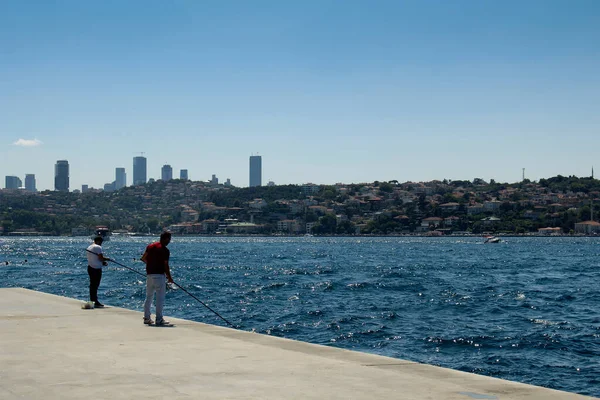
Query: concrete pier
(50, 348)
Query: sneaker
(163, 322)
(98, 305)
(148, 321)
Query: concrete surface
(50, 348)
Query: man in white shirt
(96, 261)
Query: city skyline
(62, 170)
(166, 172)
(328, 91)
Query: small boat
(492, 239)
(103, 232)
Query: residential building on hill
(588, 227)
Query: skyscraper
(61, 176)
(166, 173)
(183, 174)
(139, 170)
(12, 182)
(255, 171)
(30, 183)
(120, 178)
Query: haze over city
(324, 91)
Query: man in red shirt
(156, 258)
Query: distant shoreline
(44, 234)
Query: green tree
(386, 187)
(345, 228)
(326, 226)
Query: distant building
(549, 231)
(476, 208)
(214, 180)
(183, 174)
(449, 207)
(430, 223)
(12, 182)
(120, 178)
(271, 183)
(310, 188)
(227, 182)
(166, 172)
(30, 183)
(61, 176)
(243, 227)
(587, 227)
(84, 188)
(257, 204)
(255, 171)
(109, 187)
(289, 226)
(139, 170)
(490, 221)
(493, 205)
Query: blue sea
(525, 309)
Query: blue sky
(326, 91)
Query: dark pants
(95, 277)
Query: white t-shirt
(93, 260)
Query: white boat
(492, 239)
(103, 232)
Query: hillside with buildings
(559, 205)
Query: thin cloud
(28, 142)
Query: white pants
(155, 283)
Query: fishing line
(176, 284)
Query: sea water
(525, 309)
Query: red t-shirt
(156, 255)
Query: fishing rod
(124, 266)
(176, 284)
(201, 302)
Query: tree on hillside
(386, 187)
(326, 226)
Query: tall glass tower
(255, 171)
(166, 172)
(183, 174)
(139, 170)
(61, 176)
(120, 178)
(30, 183)
(12, 182)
